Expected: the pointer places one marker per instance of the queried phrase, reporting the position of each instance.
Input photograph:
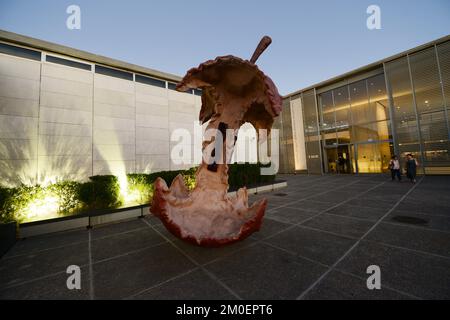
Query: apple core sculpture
(234, 91)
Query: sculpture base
(206, 217)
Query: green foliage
(6, 213)
(247, 174)
(68, 195)
(15, 202)
(169, 176)
(102, 192)
(140, 185)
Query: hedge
(103, 192)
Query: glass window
(369, 132)
(342, 106)
(327, 110)
(327, 119)
(69, 63)
(405, 148)
(430, 106)
(343, 115)
(113, 73)
(310, 113)
(378, 101)
(433, 126)
(329, 137)
(343, 135)
(312, 143)
(286, 139)
(397, 73)
(20, 52)
(374, 157)
(150, 81)
(437, 153)
(398, 76)
(443, 51)
(407, 131)
(339, 159)
(360, 102)
(173, 86)
(425, 76)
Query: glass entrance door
(340, 159)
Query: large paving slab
(318, 237)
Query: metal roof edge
(19, 39)
(370, 66)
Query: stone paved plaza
(318, 238)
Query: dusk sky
(312, 40)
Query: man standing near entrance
(394, 165)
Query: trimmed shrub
(141, 186)
(102, 192)
(68, 195)
(24, 202)
(247, 174)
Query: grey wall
(59, 122)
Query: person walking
(411, 167)
(394, 165)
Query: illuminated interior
(355, 127)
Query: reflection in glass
(412, 95)
(378, 100)
(425, 75)
(312, 142)
(343, 115)
(430, 108)
(359, 102)
(407, 131)
(359, 112)
(339, 159)
(310, 113)
(327, 122)
(374, 131)
(405, 148)
(443, 52)
(343, 135)
(374, 157)
(406, 127)
(327, 108)
(342, 107)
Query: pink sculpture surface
(234, 91)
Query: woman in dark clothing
(411, 167)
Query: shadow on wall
(18, 151)
(54, 159)
(15, 169)
(59, 158)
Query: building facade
(354, 123)
(67, 114)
